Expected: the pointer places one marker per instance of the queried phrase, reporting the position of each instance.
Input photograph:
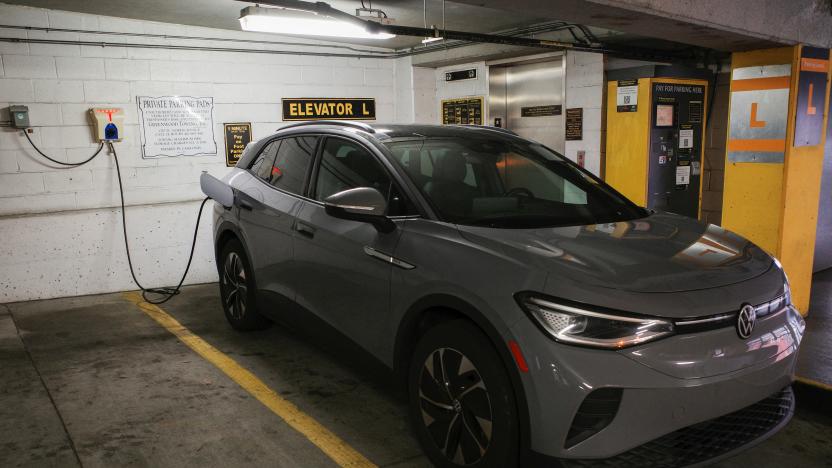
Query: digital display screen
(664, 115)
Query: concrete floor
(93, 381)
(815, 359)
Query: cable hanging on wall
(165, 293)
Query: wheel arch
(226, 232)
(437, 308)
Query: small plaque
(575, 124)
(541, 111)
(459, 75)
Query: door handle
(245, 205)
(305, 230)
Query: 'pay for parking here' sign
(329, 109)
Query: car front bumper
(655, 402)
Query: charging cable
(168, 292)
(97, 152)
(164, 293)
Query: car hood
(663, 252)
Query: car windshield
(507, 183)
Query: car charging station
(416, 233)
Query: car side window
(291, 163)
(345, 165)
(262, 165)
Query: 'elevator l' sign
(329, 108)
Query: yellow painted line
(815, 383)
(338, 450)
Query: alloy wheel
(455, 406)
(234, 285)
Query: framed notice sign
(176, 126)
(464, 111)
(237, 136)
(329, 109)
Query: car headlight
(580, 325)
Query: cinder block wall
(60, 229)
(585, 89)
(714, 168)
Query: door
(268, 203)
(336, 278)
(528, 99)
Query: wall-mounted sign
(459, 75)
(575, 124)
(237, 136)
(581, 158)
(176, 126)
(811, 96)
(626, 98)
(757, 120)
(329, 108)
(465, 111)
(541, 111)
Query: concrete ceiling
(223, 14)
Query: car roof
(383, 131)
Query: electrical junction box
(109, 123)
(19, 116)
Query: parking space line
(338, 450)
(814, 383)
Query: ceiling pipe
(324, 9)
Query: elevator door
(534, 90)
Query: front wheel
(237, 289)
(461, 401)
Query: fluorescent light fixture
(428, 40)
(303, 22)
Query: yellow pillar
(772, 183)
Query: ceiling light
(305, 23)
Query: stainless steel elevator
(527, 97)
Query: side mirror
(364, 204)
(216, 190)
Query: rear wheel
(237, 289)
(461, 401)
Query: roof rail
(487, 127)
(360, 125)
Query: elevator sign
(329, 109)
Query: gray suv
(536, 316)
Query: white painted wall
(460, 89)
(60, 229)
(585, 89)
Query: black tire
(237, 289)
(456, 408)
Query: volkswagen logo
(745, 321)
